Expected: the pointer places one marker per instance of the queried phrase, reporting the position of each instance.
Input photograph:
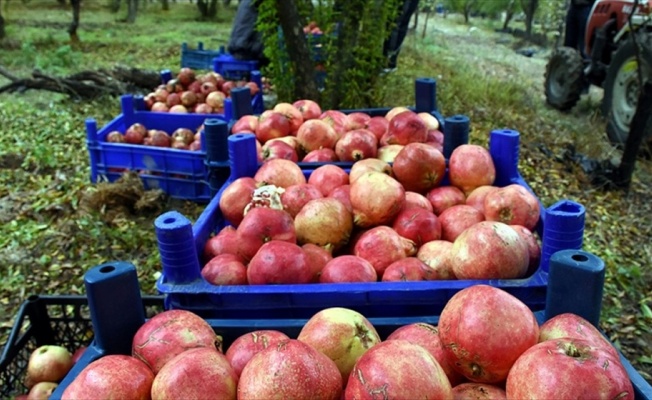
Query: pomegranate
(328, 177)
(48, 363)
(279, 261)
(135, 134)
(290, 369)
(186, 76)
(296, 196)
(248, 345)
(478, 391)
(280, 172)
(245, 124)
(568, 368)
(445, 197)
(341, 334)
(184, 134)
(533, 247)
(261, 225)
(388, 152)
(356, 120)
(417, 200)
(476, 198)
(394, 112)
(320, 155)
(235, 198)
(436, 255)
(271, 125)
(253, 88)
(160, 106)
(471, 166)
(455, 220)
(115, 137)
(348, 268)
(208, 87)
(484, 330)
(203, 108)
(335, 119)
(431, 122)
(513, 205)
(113, 376)
(178, 109)
(318, 257)
(170, 333)
(398, 369)
(343, 194)
(381, 246)
(316, 134)
(573, 326)
(194, 373)
(161, 95)
(226, 87)
(277, 149)
(489, 250)
(427, 336)
(294, 116)
(41, 391)
(189, 99)
(174, 86)
(215, 99)
(224, 242)
(369, 164)
(406, 127)
(419, 167)
(309, 109)
(356, 145)
(417, 224)
(378, 126)
(436, 139)
(376, 199)
(325, 222)
(406, 269)
(225, 269)
(290, 140)
(173, 99)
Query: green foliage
(352, 48)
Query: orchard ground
(54, 226)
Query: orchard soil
(55, 224)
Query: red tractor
(618, 35)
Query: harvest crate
(425, 100)
(179, 173)
(199, 58)
(112, 291)
(181, 244)
(43, 320)
(232, 68)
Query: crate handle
(456, 133)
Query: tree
(529, 8)
(165, 4)
(72, 30)
(500, 8)
(2, 25)
(465, 7)
(207, 8)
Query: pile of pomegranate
(192, 93)
(380, 222)
(137, 133)
(487, 344)
(302, 132)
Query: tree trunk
(301, 63)
(206, 9)
(115, 5)
(637, 131)
(166, 5)
(132, 11)
(416, 21)
(425, 24)
(212, 9)
(530, 8)
(72, 29)
(2, 25)
(62, 2)
(466, 15)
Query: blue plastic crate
(113, 293)
(232, 68)
(199, 58)
(561, 227)
(181, 174)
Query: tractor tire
(622, 87)
(564, 78)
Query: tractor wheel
(564, 78)
(622, 87)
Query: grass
(48, 238)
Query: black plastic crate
(48, 320)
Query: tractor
(618, 58)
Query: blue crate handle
(456, 133)
(425, 94)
